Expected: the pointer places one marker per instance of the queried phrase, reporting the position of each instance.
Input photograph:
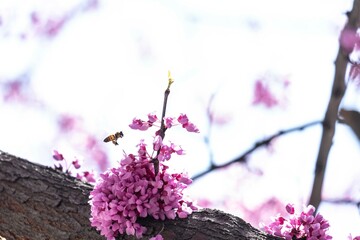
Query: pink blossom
(190, 127)
(130, 191)
(157, 143)
(184, 121)
(67, 122)
(139, 124)
(157, 237)
(305, 225)
(86, 177)
(290, 208)
(348, 39)
(169, 122)
(76, 163)
(263, 95)
(58, 156)
(152, 118)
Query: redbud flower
(262, 94)
(76, 163)
(139, 124)
(132, 190)
(353, 238)
(305, 225)
(157, 237)
(169, 122)
(152, 117)
(86, 177)
(58, 156)
(184, 121)
(290, 208)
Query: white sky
(110, 65)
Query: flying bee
(114, 137)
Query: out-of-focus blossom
(270, 90)
(349, 39)
(86, 176)
(263, 95)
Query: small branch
(337, 93)
(162, 127)
(265, 142)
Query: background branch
(263, 143)
(331, 115)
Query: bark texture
(38, 202)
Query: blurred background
(74, 71)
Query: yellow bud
(171, 80)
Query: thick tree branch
(38, 202)
(331, 115)
(243, 157)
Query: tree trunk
(38, 202)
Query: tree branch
(38, 202)
(242, 158)
(331, 115)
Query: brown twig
(337, 93)
(265, 142)
(162, 126)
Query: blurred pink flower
(263, 95)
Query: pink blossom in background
(349, 39)
(86, 177)
(67, 122)
(263, 95)
(270, 91)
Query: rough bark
(38, 202)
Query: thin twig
(331, 115)
(265, 142)
(162, 126)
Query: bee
(114, 137)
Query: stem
(337, 93)
(243, 157)
(162, 126)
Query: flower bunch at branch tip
(133, 190)
(299, 226)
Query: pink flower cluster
(132, 190)
(302, 226)
(85, 176)
(168, 121)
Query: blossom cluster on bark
(135, 189)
